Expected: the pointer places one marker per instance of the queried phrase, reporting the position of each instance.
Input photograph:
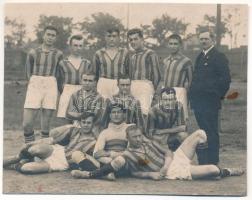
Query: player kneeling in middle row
(147, 159)
(55, 154)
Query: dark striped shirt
(43, 63)
(144, 65)
(80, 142)
(148, 158)
(81, 102)
(177, 71)
(106, 67)
(132, 106)
(68, 74)
(160, 119)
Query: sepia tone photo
(123, 98)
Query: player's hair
(122, 76)
(75, 37)
(167, 90)
(205, 30)
(89, 73)
(112, 30)
(131, 128)
(87, 114)
(176, 37)
(116, 104)
(135, 31)
(50, 27)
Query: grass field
(232, 153)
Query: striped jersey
(112, 139)
(43, 63)
(132, 106)
(147, 158)
(177, 71)
(81, 101)
(79, 141)
(106, 67)
(163, 119)
(144, 65)
(68, 74)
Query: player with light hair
(147, 159)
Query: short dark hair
(50, 27)
(135, 31)
(132, 127)
(75, 37)
(87, 114)
(168, 90)
(116, 104)
(122, 76)
(90, 73)
(205, 30)
(112, 30)
(176, 37)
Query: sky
(139, 13)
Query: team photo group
(118, 118)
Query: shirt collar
(206, 51)
(117, 126)
(48, 50)
(176, 57)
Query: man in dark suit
(211, 80)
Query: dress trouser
(207, 119)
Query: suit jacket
(211, 80)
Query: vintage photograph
(125, 98)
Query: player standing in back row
(41, 68)
(144, 70)
(109, 62)
(71, 70)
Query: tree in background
(15, 32)
(63, 24)
(210, 23)
(95, 27)
(166, 25)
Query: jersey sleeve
(155, 72)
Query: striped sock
(44, 134)
(30, 137)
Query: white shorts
(143, 91)
(107, 87)
(65, 98)
(181, 95)
(57, 160)
(179, 167)
(42, 92)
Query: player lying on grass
(55, 153)
(147, 159)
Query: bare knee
(118, 162)
(201, 135)
(27, 168)
(78, 156)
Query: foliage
(15, 33)
(94, 28)
(166, 25)
(64, 26)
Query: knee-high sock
(202, 153)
